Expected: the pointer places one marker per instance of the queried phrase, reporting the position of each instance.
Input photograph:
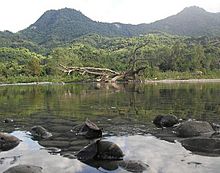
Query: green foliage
(165, 56)
(15, 40)
(19, 62)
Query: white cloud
(18, 14)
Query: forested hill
(64, 25)
(192, 21)
(61, 26)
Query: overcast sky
(19, 14)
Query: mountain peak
(193, 9)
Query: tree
(33, 67)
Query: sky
(16, 15)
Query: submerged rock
(109, 165)
(165, 120)
(24, 169)
(202, 145)
(40, 132)
(88, 129)
(101, 150)
(133, 166)
(194, 128)
(8, 142)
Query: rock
(8, 120)
(88, 129)
(133, 166)
(111, 165)
(108, 151)
(101, 150)
(24, 169)
(165, 120)
(194, 128)
(108, 165)
(40, 132)
(202, 145)
(8, 142)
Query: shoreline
(31, 83)
(183, 81)
(165, 81)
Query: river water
(124, 112)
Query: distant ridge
(66, 24)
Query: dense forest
(163, 55)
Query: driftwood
(108, 75)
(102, 74)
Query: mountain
(61, 26)
(192, 21)
(65, 24)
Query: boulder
(100, 150)
(88, 129)
(40, 132)
(194, 128)
(165, 121)
(24, 169)
(8, 142)
(202, 145)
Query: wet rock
(165, 120)
(8, 120)
(8, 142)
(108, 151)
(104, 164)
(24, 169)
(40, 132)
(133, 166)
(202, 145)
(88, 129)
(101, 150)
(194, 128)
(111, 165)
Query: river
(124, 112)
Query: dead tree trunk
(108, 75)
(101, 74)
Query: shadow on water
(124, 112)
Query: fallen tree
(108, 75)
(103, 74)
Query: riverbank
(165, 81)
(32, 83)
(183, 81)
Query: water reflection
(161, 156)
(200, 101)
(123, 111)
